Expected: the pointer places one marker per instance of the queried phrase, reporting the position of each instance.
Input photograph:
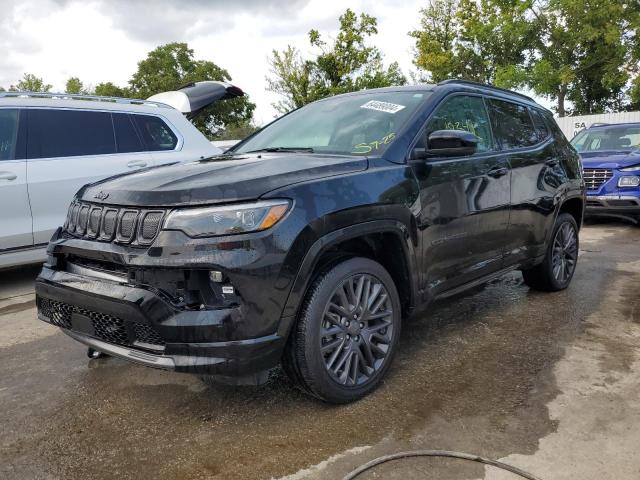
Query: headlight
(629, 181)
(635, 168)
(227, 219)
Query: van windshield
(609, 138)
(362, 124)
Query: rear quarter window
(69, 133)
(539, 124)
(156, 134)
(512, 124)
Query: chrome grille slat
(107, 224)
(594, 178)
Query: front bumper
(613, 204)
(135, 323)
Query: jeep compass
(308, 242)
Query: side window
(8, 133)
(127, 139)
(156, 134)
(69, 133)
(540, 126)
(512, 125)
(463, 112)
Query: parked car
(52, 144)
(611, 160)
(310, 240)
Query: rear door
(525, 138)
(69, 148)
(464, 200)
(15, 214)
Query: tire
(562, 252)
(338, 352)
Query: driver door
(464, 200)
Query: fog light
(629, 181)
(215, 276)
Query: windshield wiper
(283, 149)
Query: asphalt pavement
(547, 382)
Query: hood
(220, 179)
(610, 159)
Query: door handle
(552, 162)
(137, 163)
(10, 176)
(497, 172)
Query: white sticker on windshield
(386, 107)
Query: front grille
(594, 178)
(106, 327)
(93, 227)
(125, 225)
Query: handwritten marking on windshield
(364, 148)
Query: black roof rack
(484, 85)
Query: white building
(570, 126)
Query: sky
(103, 40)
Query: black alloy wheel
(346, 333)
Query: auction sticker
(386, 107)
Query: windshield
(364, 124)
(610, 138)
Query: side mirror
(452, 143)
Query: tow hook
(92, 353)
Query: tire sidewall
(324, 383)
(561, 220)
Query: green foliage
(346, 64)
(484, 40)
(75, 86)
(172, 66)
(30, 83)
(108, 89)
(584, 51)
(236, 132)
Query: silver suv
(53, 144)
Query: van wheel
(347, 332)
(557, 269)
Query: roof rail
(73, 96)
(599, 124)
(484, 85)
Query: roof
(66, 100)
(613, 125)
(465, 85)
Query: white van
(53, 144)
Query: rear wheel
(559, 264)
(347, 332)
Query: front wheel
(559, 264)
(347, 332)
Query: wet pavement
(547, 382)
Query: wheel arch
(364, 239)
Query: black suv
(309, 241)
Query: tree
(346, 64)
(108, 89)
(566, 50)
(291, 79)
(30, 83)
(236, 132)
(480, 40)
(172, 66)
(582, 50)
(75, 86)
